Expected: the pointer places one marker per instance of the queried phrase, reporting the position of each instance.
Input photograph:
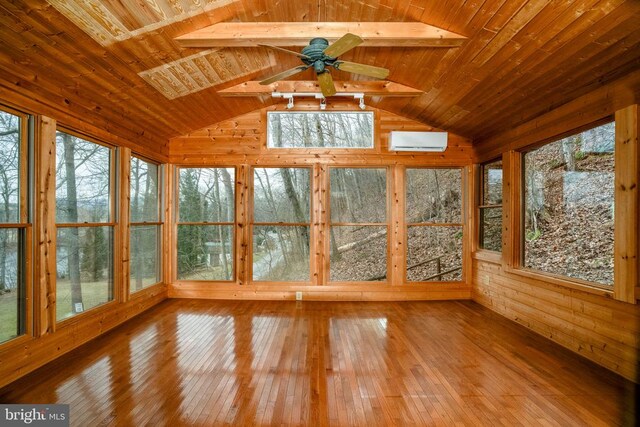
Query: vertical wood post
(123, 227)
(626, 204)
(45, 226)
(398, 226)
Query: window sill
(488, 256)
(575, 284)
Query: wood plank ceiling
(100, 59)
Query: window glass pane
(492, 183)
(205, 252)
(206, 195)
(358, 253)
(281, 195)
(320, 129)
(491, 229)
(10, 284)
(281, 253)
(9, 167)
(144, 266)
(84, 269)
(358, 195)
(82, 180)
(569, 201)
(434, 254)
(144, 197)
(434, 195)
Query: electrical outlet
(487, 280)
(298, 296)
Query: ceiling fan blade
(326, 84)
(298, 54)
(284, 75)
(343, 44)
(367, 70)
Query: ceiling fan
(320, 56)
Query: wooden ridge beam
(247, 34)
(369, 88)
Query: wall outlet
(487, 280)
(298, 296)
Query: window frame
(481, 207)
(24, 227)
(374, 139)
(234, 224)
(515, 261)
(462, 225)
(252, 223)
(115, 291)
(158, 224)
(328, 223)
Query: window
(206, 215)
(358, 229)
(569, 201)
(84, 217)
(13, 224)
(281, 224)
(434, 228)
(146, 226)
(320, 129)
(490, 236)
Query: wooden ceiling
(104, 61)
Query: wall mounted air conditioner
(417, 141)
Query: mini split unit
(418, 141)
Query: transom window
(288, 129)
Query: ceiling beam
(246, 34)
(369, 88)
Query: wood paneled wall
(242, 142)
(595, 323)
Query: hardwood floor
(201, 362)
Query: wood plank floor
(198, 362)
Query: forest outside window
(14, 220)
(146, 225)
(84, 217)
(359, 227)
(490, 232)
(281, 224)
(434, 225)
(569, 206)
(206, 215)
(347, 129)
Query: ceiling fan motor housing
(315, 55)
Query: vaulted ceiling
(109, 61)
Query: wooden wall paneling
(601, 329)
(123, 229)
(627, 212)
(45, 226)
